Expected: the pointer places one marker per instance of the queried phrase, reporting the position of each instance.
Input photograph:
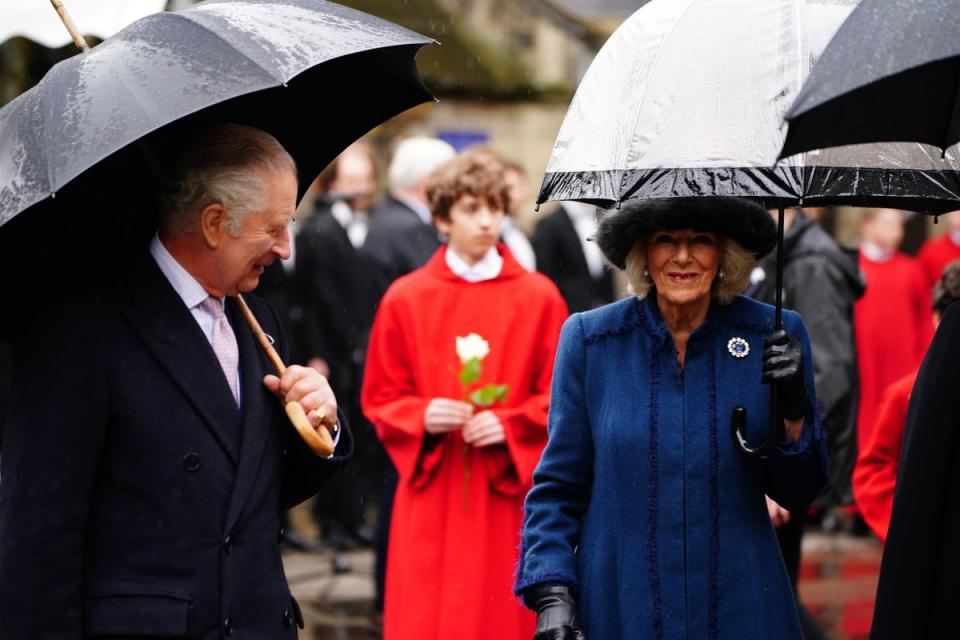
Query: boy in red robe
(875, 474)
(937, 253)
(892, 322)
(463, 471)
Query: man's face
(263, 237)
(473, 227)
(354, 179)
(517, 184)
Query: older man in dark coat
(147, 458)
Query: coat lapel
(574, 248)
(171, 333)
(259, 407)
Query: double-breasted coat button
(191, 462)
(228, 544)
(227, 627)
(280, 535)
(287, 619)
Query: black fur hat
(742, 220)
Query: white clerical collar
(487, 268)
(190, 291)
(875, 253)
(418, 207)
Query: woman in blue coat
(645, 519)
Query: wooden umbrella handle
(71, 27)
(319, 440)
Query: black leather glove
(783, 366)
(556, 613)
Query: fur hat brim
(745, 222)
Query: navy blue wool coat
(642, 503)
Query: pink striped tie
(224, 343)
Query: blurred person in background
(340, 292)
(401, 238)
(892, 320)
(567, 255)
(876, 473)
(510, 233)
(937, 253)
(920, 569)
(464, 469)
(821, 282)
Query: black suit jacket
(136, 498)
(399, 241)
(341, 290)
(560, 257)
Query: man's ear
(213, 224)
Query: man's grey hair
(736, 265)
(226, 164)
(416, 158)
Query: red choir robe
(893, 325)
(451, 557)
(935, 254)
(875, 474)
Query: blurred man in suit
(147, 457)
(402, 237)
(567, 255)
(340, 291)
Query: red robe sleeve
(390, 401)
(875, 473)
(510, 468)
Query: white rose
(470, 347)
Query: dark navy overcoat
(642, 503)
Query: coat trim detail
(652, 505)
(714, 566)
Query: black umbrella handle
(738, 419)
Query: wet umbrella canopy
(687, 98)
(890, 73)
(314, 74)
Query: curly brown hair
(477, 172)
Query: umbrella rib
(654, 65)
(183, 16)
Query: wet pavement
(838, 580)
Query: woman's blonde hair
(733, 276)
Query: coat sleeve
(826, 310)
(51, 454)
(510, 469)
(875, 475)
(562, 482)
(796, 472)
(391, 402)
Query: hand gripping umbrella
(889, 74)
(687, 98)
(74, 178)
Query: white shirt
(190, 291)
(584, 219)
(487, 268)
(955, 236)
(876, 253)
(519, 245)
(353, 222)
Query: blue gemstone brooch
(738, 347)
